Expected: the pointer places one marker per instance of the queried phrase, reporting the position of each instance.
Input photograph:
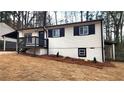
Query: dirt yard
(21, 67)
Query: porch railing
(32, 42)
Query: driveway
(7, 52)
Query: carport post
(4, 46)
(113, 49)
(16, 46)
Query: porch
(25, 43)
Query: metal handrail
(35, 41)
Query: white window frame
(56, 32)
(84, 29)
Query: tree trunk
(55, 16)
(87, 15)
(44, 20)
(121, 33)
(81, 12)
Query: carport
(10, 41)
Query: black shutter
(62, 32)
(50, 33)
(92, 29)
(76, 31)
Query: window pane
(56, 32)
(81, 31)
(53, 32)
(85, 30)
(81, 50)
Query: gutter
(47, 40)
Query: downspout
(44, 24)
(47, 39)
(17, 42)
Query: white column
(16, 46)
(4, 46)
(113, 47)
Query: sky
(75, 15)
(61, 16)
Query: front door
(41, 38)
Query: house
(83, 40)
(6, 43)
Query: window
(84, 30)
(28, 37)
(82, 52)
(56, 32)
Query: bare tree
(48, 19)
(87, 15)
(66, 17)
(55, 17)
(117, 17)
(121, 28)
(81, 12)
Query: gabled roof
(12, 35)
(75, 23)
(4, 29)
(68, 24)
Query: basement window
(81, 52)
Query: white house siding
(22, 33)
(69, 44)
(34, 33)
